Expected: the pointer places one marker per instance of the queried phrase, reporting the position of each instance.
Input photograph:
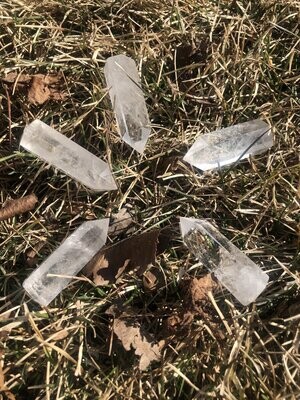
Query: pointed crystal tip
(186, 225)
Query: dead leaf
(17, 78)
(41, 88)
(135, 253)
(149, 281)
(31, 254)
(195, 301)
(120, 222)
(180, 323)
(39, 91)
(196, 291)
(132, 338)
(153, 279)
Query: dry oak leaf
(43, 88)
(132, 338)
(40, 87)
(134, 253)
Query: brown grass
(204, 65)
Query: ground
(204, 65)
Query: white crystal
(241, 276)
(128, 101)
(66, 261)
(67, 156)
(228, 145)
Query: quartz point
(54, 274)
(128, 101)
(241, 276)
(228, 145)
(67, 156)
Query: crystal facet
(128, 101)
(54, 274)
(241, 276)
(228, 145)
(67, 156)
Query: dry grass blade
(203, 65)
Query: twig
(18, 206)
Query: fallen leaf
(195, 301)
(180, 323)
(39, 91)
(120, 222)
(17, 78)
(132, 338)
(40, 87)
(153, 279)
(32, 254)
(196, 291)
(135, 253)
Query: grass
(204, 65)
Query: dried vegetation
(204, 64)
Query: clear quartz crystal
(67, 156)
(128, 101)
(228, 145)
(54, 274)
(241, 276)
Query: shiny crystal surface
(67, 156)
(54, 274)
(241, 276)
(228, 145)
(128, 101)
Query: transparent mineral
(241, 276)
(228, 145)
(128, 101)
(67, 156)
(54, 274)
